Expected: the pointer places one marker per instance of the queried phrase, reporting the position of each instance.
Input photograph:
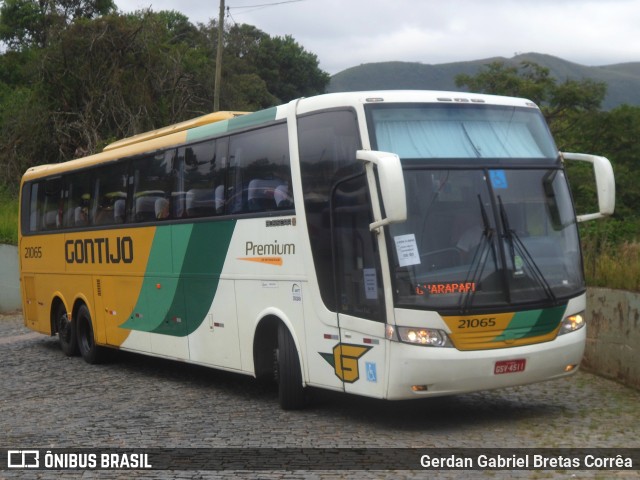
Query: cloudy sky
(346, 33)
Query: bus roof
(178, 127)
(407, 96)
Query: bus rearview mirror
(605, 184)
(391, 181)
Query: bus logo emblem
(344, 361)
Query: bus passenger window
(51, 205)
(198, 168)
(79, 202)
(110, 194)
(260, 172)
(153, 179)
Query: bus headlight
(429, 337)
(572, 323)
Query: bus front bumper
(428, 371)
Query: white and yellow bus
(392, 244)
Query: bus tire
(291, 392)
(66, 331)
(86, 340)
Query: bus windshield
(479, 234)
(462, 131)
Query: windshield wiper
(479, 258)
(523, 254)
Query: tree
(32, 23)
(116, 76)
(290, 71)
(530, 80)
(562, 104)
(75, 79)
(287, 70)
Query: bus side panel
(170, 336)
(265, 261)
(29, 302)
(181, 279)
(282, 299)
(116, 261)
(38, 257)
(116, 306)
(323, 337)
(40, 319)
(216, 342)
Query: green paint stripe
(144, 318)
(532, 323)
(203, 262)
(237, 123)
(253, 119)
(206, 131)
(183, 272)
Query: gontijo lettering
(99, 250)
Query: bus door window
(357, 265)
(328, 142)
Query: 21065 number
(476, 322)
(33, 252)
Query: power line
(262, 6)
(269, 4)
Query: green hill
(623, 80)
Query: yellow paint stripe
(479, 332)
(474, 332)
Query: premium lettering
(274, 248)
(99, 250)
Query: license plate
(509, 366)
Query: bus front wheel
(291, 392)
(86, 340)
(66, 331)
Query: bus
(390, 244)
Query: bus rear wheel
(291, 392)
(66, 332)
(86, 340)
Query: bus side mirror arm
(605, 184)
(391, 181)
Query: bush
(8, 219)
(611, 252)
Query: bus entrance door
(360, 355)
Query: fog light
(419, 388)
(569, 368)
(572, 323)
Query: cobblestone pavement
(48, 400)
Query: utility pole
(218, 80)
